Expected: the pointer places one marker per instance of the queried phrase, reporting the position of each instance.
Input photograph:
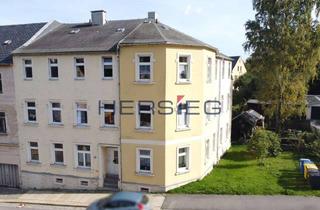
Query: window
(209, 70)
(27, 65)
(82, 114)
(55, 116)
(223, 68)
(228, 101)
(58, 153)
(144, 189)
(184, 68)
(84, 156)
(144, 160)
(53, 68)
(208, 110)
(229, 71)
(222, 103)
(80, 69)
(183, 159)
(3, 125)
(221, 135)
(145, 112)
(227, 131)
(207, 148)
(59, 180)
(1, 89)
(34, 152)
(31, 111)
(182, 116)
(108, 114)
(84, 183)
(144, 68)
(115, 157)
(107, 68)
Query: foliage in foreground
(238, 173)
(264, 144)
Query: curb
(42, 203)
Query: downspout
(118, 62)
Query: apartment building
(90, 101)
(12, 37)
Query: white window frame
(51, 109)
(29, 151)
(208, 110)
(138, 156)
(182, 127)
(223, 69)
(80, 110)
(145, 112)
(53, 65)
(221, 136)
(222, 103)
(228, 102)
(24, 69)
(106, 111)
(216, 69)
(187, 153)
(75, 68)
(214, 142)
(137, 71)
(5, 123)
(84, 156)
(30, 108)
(189, 63)
(209, 70)
(54, 150)
(1, 84)
(108, 63)
(230, 69)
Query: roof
(93, 38)
(250, 116)
(223, 56)
(234, 60)
(313, 100)
(18, 34)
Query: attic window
(74, 31)
(164, 27)
(7, 42)
(121, 29)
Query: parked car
(122, 201)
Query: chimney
(98, 17)
(152, 16)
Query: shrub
(264, 143)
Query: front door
(113, 161)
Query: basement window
(59, 180)
(144, 189)
(84, 183)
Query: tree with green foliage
(284, 40)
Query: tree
(284, 41)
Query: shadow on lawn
(238, 156)
(292, 180)
(233, 166)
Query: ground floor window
(3, 126)
(183, 159)
(58, 153)
(34, 152)
(84, 156)
(144, 160)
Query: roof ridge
(23, 24)
(160, 32)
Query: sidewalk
(78, 199)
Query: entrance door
(9, 175)
(113, 161)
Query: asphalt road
(217, 202)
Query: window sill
(83, 168)
(28, 79)
(183, 83)
(140, 173)
(144, 82)
(35, 124)
(60, 165)
(182, 129)
(53, 79)
(81, 126)
(107, 78)
(182, 172)
(34, 163)
(79, 79)
(4, 134)
(144, 130)
(109, 127)
(56, 125)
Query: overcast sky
(216, 22)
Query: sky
(217, 22)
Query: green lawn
(239, 173)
